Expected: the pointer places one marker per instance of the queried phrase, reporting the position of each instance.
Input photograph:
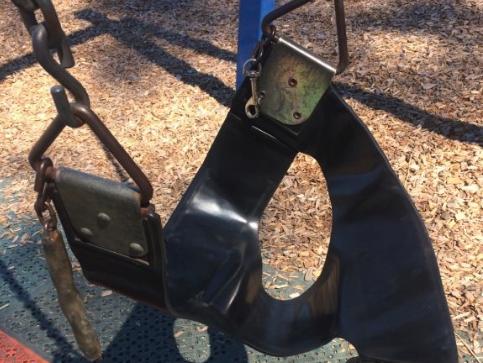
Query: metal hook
(40, 43)
(63, 107)
(269, 30)
(86, 115)
(341, 36)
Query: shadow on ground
(141, 40)
(135, 332)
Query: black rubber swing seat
(379, 289)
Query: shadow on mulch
(136, 6)
(139, 40)
(450, 128)
(420, 16)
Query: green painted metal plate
(103, 212)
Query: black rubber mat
(129, 331)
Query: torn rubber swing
(380, 287)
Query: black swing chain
(57, 42)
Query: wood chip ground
(161, 74)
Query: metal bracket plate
(292, 83)
(103, 212)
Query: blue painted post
(249, 32)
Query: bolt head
(136, 250)
(86, 233)
(103, 220)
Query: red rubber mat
(12, 351)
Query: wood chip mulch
(161, 74)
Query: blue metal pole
(249, 32)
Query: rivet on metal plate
(103, 220)
(293, 81)
(86, 232)
(136, 250)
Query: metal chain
(46, 37)
(56, 37)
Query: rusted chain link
(56, 37)
(27, 5)
(49, 36)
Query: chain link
(49, 36)
(43, 205)
(27, 5)
(56, 37)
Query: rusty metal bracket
(106, 138)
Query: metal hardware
(115, 148)
(59, 265)
(293, 81)
(41, 176)
(252, 69)
(40, 43)
(341, 36)
(136, 250)
(209, 266)
(86, 115)
(77, 113)
(103, 212)
(63, 107)
(56, 36)
(47, 216)
(267, 27)
(103, 220)
(86, 233)
(40, 186)
(46, 139)
(269, 30)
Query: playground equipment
(379, 289)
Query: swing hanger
(48, 36)
(269, 30)
(292, 80)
